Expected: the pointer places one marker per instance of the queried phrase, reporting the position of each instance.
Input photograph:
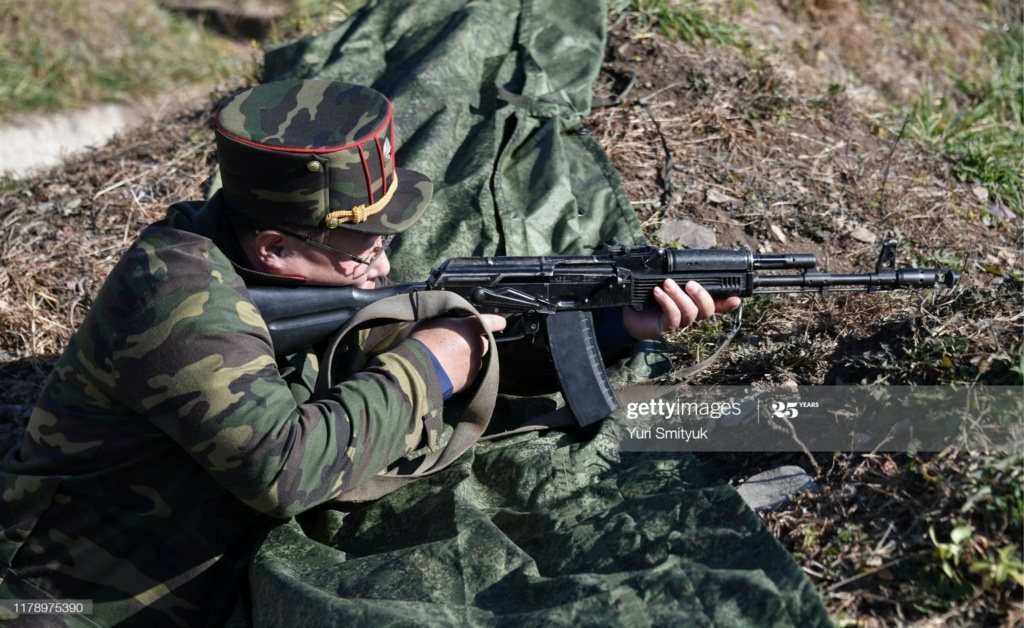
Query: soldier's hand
(459, 344)
(679, 307)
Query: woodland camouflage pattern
(280, 167)
(167, 439)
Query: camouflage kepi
(281, 165)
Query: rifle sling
(413, 307)
(683, 375)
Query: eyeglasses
(385, 240)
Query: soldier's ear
(271, 251)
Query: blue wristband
(442, 377)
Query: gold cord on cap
(360, 213)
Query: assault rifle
(560, 291)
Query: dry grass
(65, 229)
(865, 538)
(774, 165)
(792, 147)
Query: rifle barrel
(862, 282)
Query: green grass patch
(58, 54)
(312, 17)
(980, 553)
(979, 126)
(688, 20)
(8, 184)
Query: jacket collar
(211, 219)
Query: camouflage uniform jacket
(167, 438)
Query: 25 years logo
(788, 409)
(784, 409)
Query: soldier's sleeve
(195, 358)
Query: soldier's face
(339, 261)
(329, 266)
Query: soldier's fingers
(727, 305)
(677, 309)
(493, 322)
(705, 304)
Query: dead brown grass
(65, 230)
(773, 166)
(864, 539)
(785, 150)
(893, 50)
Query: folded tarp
(490, 99)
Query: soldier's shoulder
(166, 261)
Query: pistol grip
(580, 368)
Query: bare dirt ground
(779, 149)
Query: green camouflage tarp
(489, 102)
(544, 528)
